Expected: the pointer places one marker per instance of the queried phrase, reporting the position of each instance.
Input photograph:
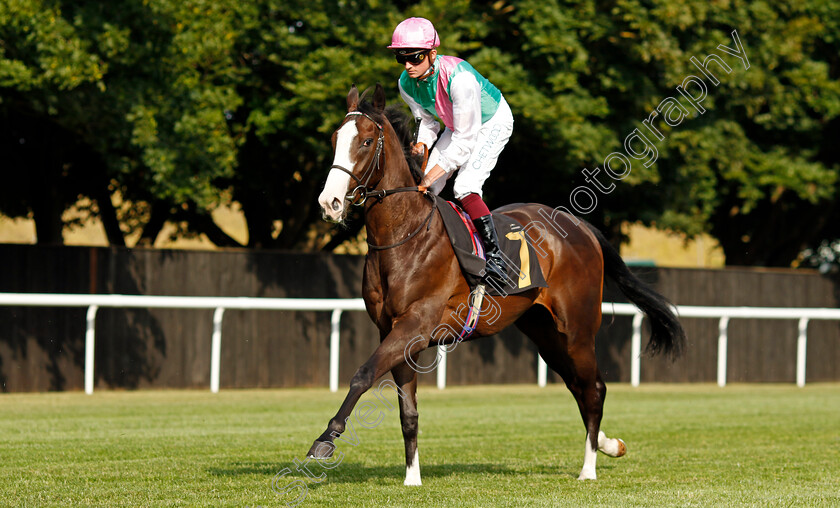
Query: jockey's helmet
(416, 33)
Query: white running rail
(337, 306)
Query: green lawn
(688, 445)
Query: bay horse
(412, 282)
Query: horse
(412, 282)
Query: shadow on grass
(358, 473)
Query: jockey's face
(416, 70)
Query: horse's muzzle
(333, 210)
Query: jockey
(477, 118)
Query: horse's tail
(666, 333)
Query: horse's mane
(402, 124)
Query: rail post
(723, 341)
(441, 367)
(542, 371)
(335, 329)
(801, 351)
(636, 351)
(90, 339)
(216, 349)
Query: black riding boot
(495, 263)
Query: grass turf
(688, 445)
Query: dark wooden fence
(43, 348)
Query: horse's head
(358, 145)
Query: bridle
(362, 183)
(361, 192)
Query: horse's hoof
(622, 448)
(321, 450)
(613, 447)
(587, 475)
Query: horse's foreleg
(406, 379)
(388, 355)
(323, 447)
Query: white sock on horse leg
(412, 472)
(589, 457)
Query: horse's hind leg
(572, 356)
(406, 379)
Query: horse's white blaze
(589, 456)
(332, 197)
(610, 446)
(412, 471)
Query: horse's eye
(368, 142)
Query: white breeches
(492, 138)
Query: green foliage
(141, 88)
(747, 167)
(184, 106)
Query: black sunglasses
(412, 58)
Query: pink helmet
(415, 33)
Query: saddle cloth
(523, 268)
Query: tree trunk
(47, 210)
(205, 224)
(45, 186)
(108, 214)
(160, 213)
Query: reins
(362, 185)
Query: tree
(298, 59)
(757, 169)
(301, 58)
(181, 107)
(100, 97)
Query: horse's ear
(353, 98)
(379, 98)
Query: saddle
(523, 269)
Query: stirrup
(491, 273)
